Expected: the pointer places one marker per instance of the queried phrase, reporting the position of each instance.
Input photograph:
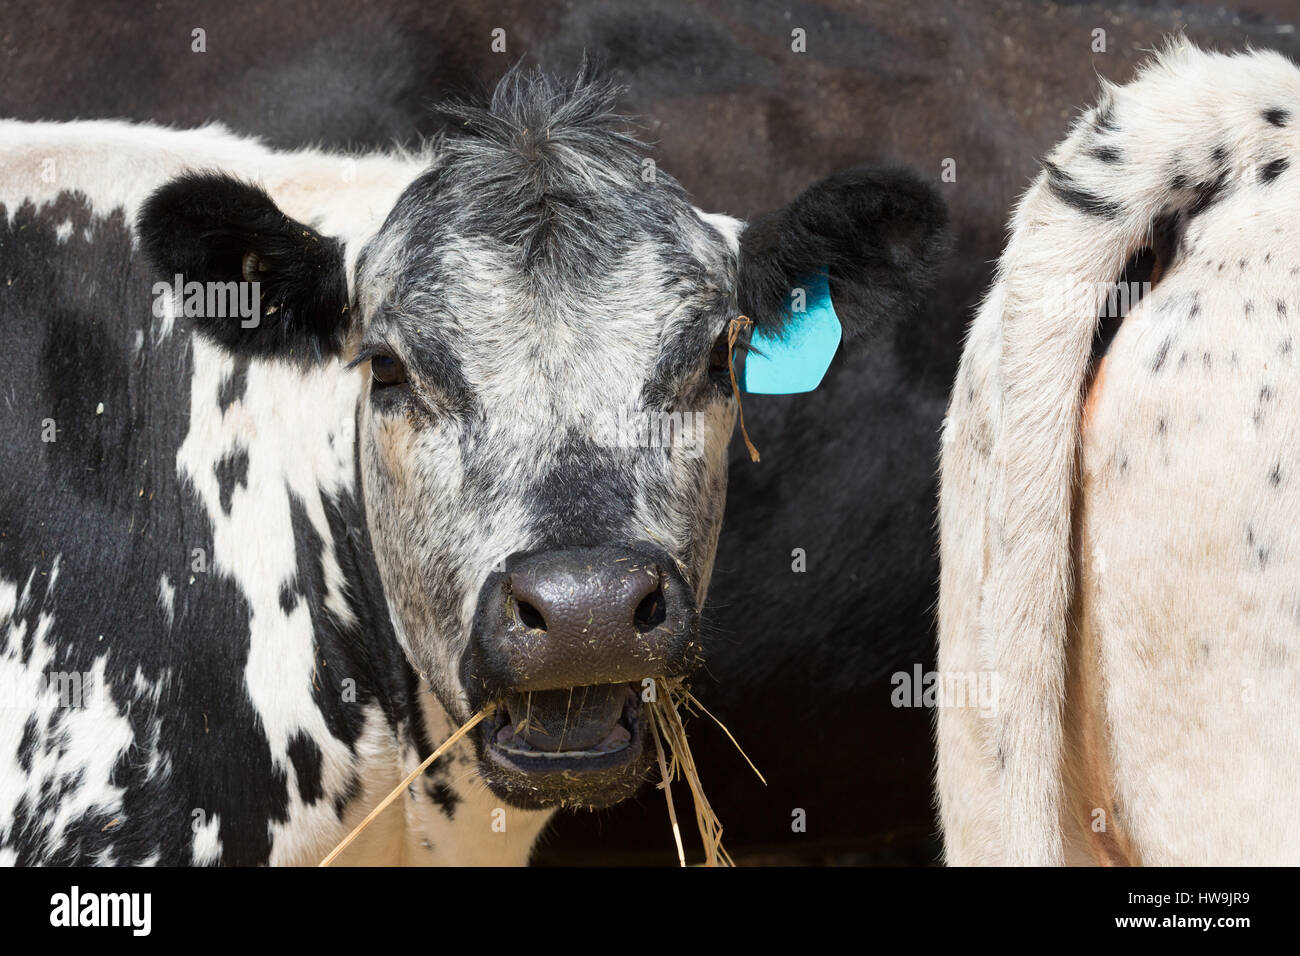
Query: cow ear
(878, 234)
(211, 228)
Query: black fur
(880, 233)
(1065, 189)
(1273, 170)
(201, 226)
(1106, 154)
(1209, 193)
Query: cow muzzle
(565, 644)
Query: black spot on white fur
(231, 471)
(1106, 154)
(234, 385)
(1209, 192)
(1162, 353)
(1273, 170)
(1065, 189)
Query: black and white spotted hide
(495, 366)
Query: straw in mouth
(666, 725)
(574, 722)
(662, 714)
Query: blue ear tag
(797, 359)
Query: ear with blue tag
(794, 358)
(880, 232)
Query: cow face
(541, 323)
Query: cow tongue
(582, 718)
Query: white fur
(1192, 776)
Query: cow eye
(386, 371)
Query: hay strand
(410, 778)
(665, 784)
(695, 702)
(668, 719)
(737, 325)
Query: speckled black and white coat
(192, 543)
(1120, 507)
(264, 571)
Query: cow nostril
(531, 616)
(651, 612)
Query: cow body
(188, 544)
(1118, 509)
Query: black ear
(881, 233)
(210, 228)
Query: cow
(1120, 488)
(309, 457)
(853, 464)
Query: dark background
(799, 663)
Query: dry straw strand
(677, 763)
(737, 325)
(410, 778)
(669, 719)
(665, 785)
(695, 702)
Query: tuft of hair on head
(550, 167)
(879, 233)
(542, 116)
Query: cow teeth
(617, 739)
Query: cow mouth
(579, 746)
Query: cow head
(541, 323)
